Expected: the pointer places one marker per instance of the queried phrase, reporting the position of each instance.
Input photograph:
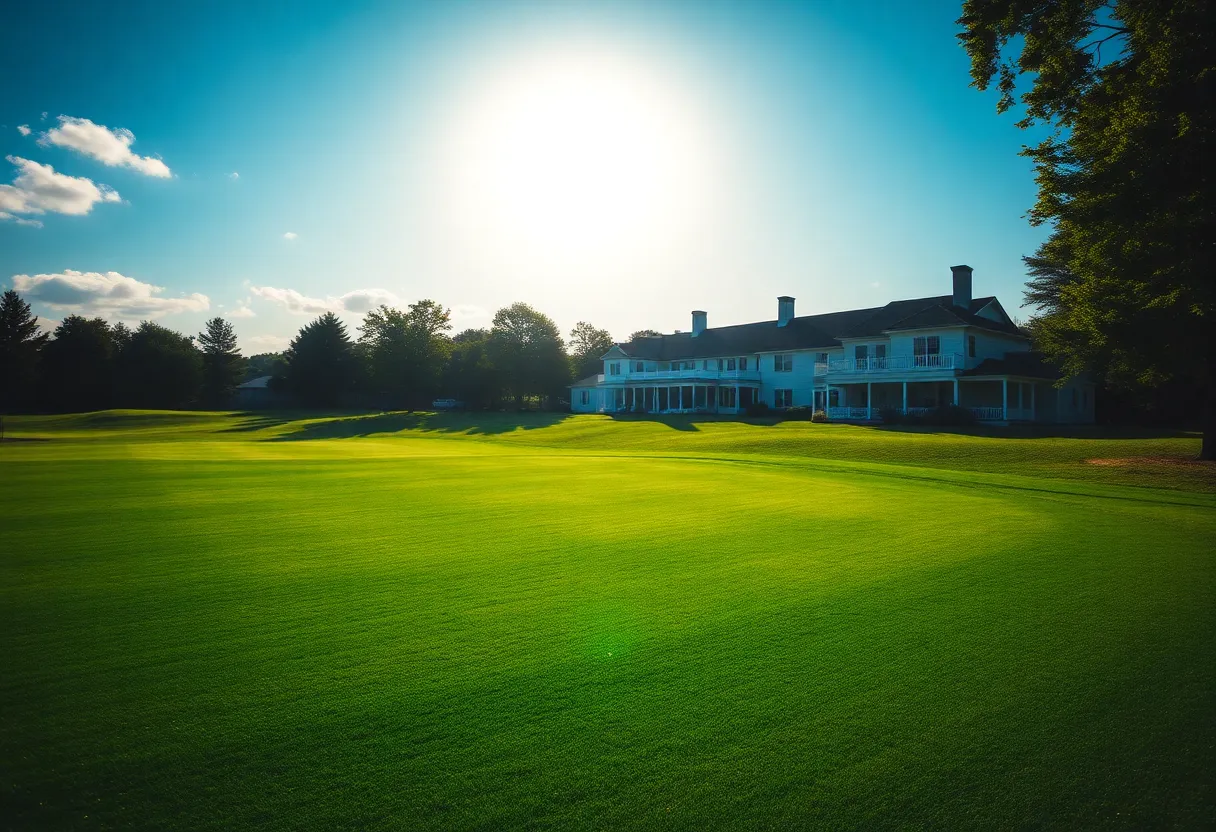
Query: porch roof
(1028, 364)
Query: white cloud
(38, 189)
(242, 310)
(44, 115)
(108, 295)
(360, 300)
(234, 175)
(290, 235)
(110, 147)
(23, 129)
(268, 343)
(5, 215)
(47, 324)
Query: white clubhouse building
(910, 355)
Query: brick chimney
(785, 310)
(698, 322)
(962, 286)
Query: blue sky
(832, 151)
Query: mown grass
(215, 621)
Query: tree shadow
(1043, 431)
(423, 422)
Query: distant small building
(256, 394)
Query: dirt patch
(1155, 462)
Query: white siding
(800, 379)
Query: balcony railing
(676, 375)
(897, 363)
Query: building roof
(259, 383)
(812, 331)
(1030, 364)
(589, 381)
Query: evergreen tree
(21, 343)
(1124, 285)
(321, 363)
(223, 364)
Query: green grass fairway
(220, 621)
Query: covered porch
(706, 397)
(989, 399)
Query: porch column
(905, 397)
(737, 398)
(1004, 400)
(869, 401)
(1032, 402)
(956, 392)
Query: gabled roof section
(815, 331)
(1028, 364)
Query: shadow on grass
(1043, 431)
(469, 424)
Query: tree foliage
(644, 333)
(158, 368)
(77, 366)
(470, 374)
(223, 364)
(321, 363)
(21, 342)
(406, 351)
(587, 347)
(1124, 285)
(527, 348)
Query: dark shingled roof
(812, 331)
(1031, 364)
(589, 381)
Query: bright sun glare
(579, 153)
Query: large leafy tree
(644, 333)
(527, 349)
(223, 364)
(470, 374)
(406, 351)
(158, 368)
(21, 342)
(587, 347)
(321, 365)
(77, 366)
(1124, 285)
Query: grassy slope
(207, 624)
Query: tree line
(398, 359)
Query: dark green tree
(587, 347)
(469, 374)
(406, 351)
(644, 333)
(223, 364)
(264, 364)
(321, 366)
(158, 368)
(77, 367)
(527, 350)
(1124, 285)
(21, 343)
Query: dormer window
(614, 368)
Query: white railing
(675, 375)
(987, 414)
(850, 412)
(821, 368)
(937, 361)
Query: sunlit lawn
(404, 622)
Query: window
(783, 363)
(971, 346)
(639, 366)
(614, 368)
(783, 398)
(730, 363)
(880, 350)
(859, 352)
(1084, 399)
(584, 397)
(1074, 398)
(924, 348)
(821, 357)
